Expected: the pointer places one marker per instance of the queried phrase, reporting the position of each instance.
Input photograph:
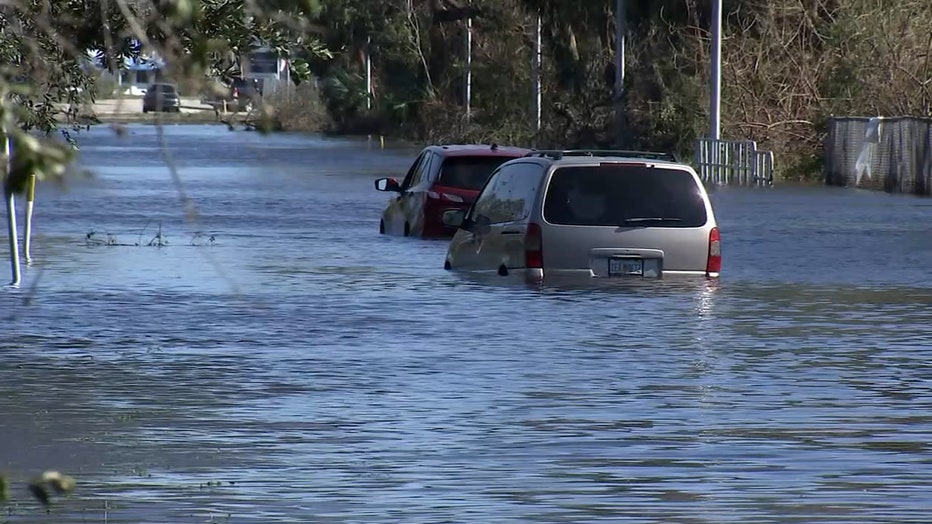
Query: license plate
(625, 267)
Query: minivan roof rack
(557, 154)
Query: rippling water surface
(302, 368)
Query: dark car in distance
(441, 178)
(235, 94)
(161, 97)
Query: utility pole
(715, 124)
(368, 74)
(468, 66)
(536, 71)
(619, 98)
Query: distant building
(267, 66)
(135, 75)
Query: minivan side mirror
(387, 184)
(453, 218)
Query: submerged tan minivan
(595, 213)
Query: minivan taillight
(714, 263)
(533, 247)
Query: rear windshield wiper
(634, 220)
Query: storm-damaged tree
(786, 65)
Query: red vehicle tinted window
(468, 172)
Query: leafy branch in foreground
(51, 483)
(48, 48)
(43, 487)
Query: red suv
(442, 178)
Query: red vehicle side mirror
(387, 184)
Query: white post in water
(10, 212)
(288, 85)
(619, 69)
(715, 108)
(30, 201)
(536, 66)
(468, 66)
(368, 75)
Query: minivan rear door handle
(511, 232)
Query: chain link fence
(884, 154)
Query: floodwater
(277, 360)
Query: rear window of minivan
(469, 172)
(624, 196)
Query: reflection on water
(304, 368)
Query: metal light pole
(10, 212)
(468, 66)
(368, 75)
(619, 102)
(536, 66)
(715, 124)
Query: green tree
(787, 64)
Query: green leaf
(299, 70)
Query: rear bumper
(161, 106)
(536, 275)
